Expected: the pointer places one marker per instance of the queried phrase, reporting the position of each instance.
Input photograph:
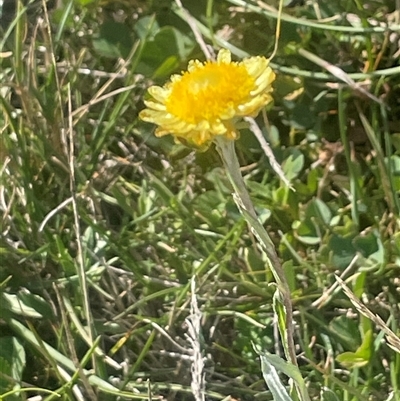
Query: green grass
(103, 225)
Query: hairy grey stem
(226, 149)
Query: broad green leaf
(15, 304)
(351, 360)
(313, 179)
(287, 85)
(146, 27)
(365, 349)
(293, 165)
(359, 358)
(115, 40)
(307, 232)
(162, 55)
(346, 330)
(319, 210)
(342, 250)
(370, 246)
(301, 118)
(37, 303)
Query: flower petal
(224, 56)
(158, 93)
(155, 106)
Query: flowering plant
(206, 101)
(203, 105)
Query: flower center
(209, 92)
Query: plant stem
(226, 149)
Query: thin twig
(326, 295)
(267, 150)
(166, 335)
(197, 34)
(393, 341)
(54, 212)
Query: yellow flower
(206, 100)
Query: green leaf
(342, 250)
(12, 362)
(365, 349)
(286, 85)
(346, 330)
(254, 263)
(170, 64)
(115, 40)
(328, 395)
(319, 210)
(37, 303)
(317, 218)
(351, 360)
(16, 304)
(313, 179)
(64, 258)
(272, 363)
(280, 313)
(293, 165)
(370, 246)
(146, 27)
(307, 232)
(359, 284)
(163, 55)
(301, 118)
(290, 273)
(6, 369)
(361, 357)
(274, 384)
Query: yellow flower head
(206, 100)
